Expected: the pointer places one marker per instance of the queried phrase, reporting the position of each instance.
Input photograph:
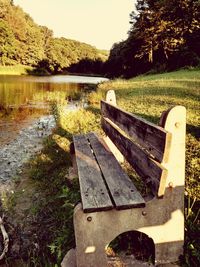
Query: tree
(164, 25)
(24, 42)
(164, 35)
(7, 40)
(47, 36)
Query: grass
(15, 70)
(146, 96)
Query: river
(25, 113)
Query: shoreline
(15, 70)
(29, 71)
(27, 142)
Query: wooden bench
(110, 203)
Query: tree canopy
(163, 35)
(22, 41)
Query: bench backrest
(145, 145)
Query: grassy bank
(27, 70)
(15, 70)
(51, 171)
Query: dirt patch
(17, 207)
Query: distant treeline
(24, 42)
(164, 36)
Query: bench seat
(103, 183)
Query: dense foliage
(164, 35)
(24, 42)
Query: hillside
(24, 42)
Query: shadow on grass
(193, 130)
(94, 110)
(54, 209)
(134, 243)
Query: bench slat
(153, 138)
(122, 189)
(139, 160)
(94, 194)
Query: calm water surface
(25, 97)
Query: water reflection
(37, 92)
(23, 97)
(19, 93)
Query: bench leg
(94, 231)
(90, 247)
(168, 252)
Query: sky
(100, 23)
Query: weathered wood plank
(94, 194)
(122, 189)
(153, 138)
(147, 168)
